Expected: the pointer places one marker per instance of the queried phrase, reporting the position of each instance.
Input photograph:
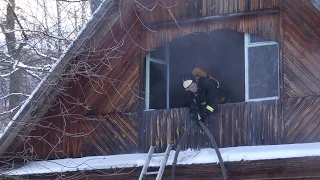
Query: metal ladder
(162, 166)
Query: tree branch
(18, 22)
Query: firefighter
(204, 95)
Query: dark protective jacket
(205, 100)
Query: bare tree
(33, 39)
(13, 48)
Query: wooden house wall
(66, 129)
(111, 134)
(302, 119)
(301, 63)
(238, 124)
(183, 9)
(301, 49)
(264, 25)
(295, 28)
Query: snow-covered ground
(245, 153)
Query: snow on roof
(232, 154)
(315, 3)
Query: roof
(264, 154)
(315, 3)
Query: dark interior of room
(220, 53)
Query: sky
(208, 155)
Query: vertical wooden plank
(174, 127)
(247, 5)
(226, 6)
(279, 122)
(222, 120)
(251, 124)
(230, 6)
(158, 135)
(218, 7)
(244, 117)
(227, 127)
(221, 6)
(275, 128)
(169, 127)
(148, 131)
(234, 125)
(266, 122)
(215, 125)
(255, 4)
(184, 127)
(235, 6)
(263, 122)
(153, 131)
(258, 121)
(162, 130)
(204, 8)
(220, 130)
(212, 5)
(237, 125)
(242, 121)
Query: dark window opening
(245, 66)
(157, 86)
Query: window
(261, 69)
(157, 80)
(247, 67)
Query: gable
(108, 39)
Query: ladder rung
(155, 172)
(163, 162)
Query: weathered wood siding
(238, 124)
(302, 119)
(183, 9)
(301, 55)
(111, 134)
(264, 25)
(301, 49)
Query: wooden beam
(209, 18)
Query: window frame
(165, 62)
(247, 45)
